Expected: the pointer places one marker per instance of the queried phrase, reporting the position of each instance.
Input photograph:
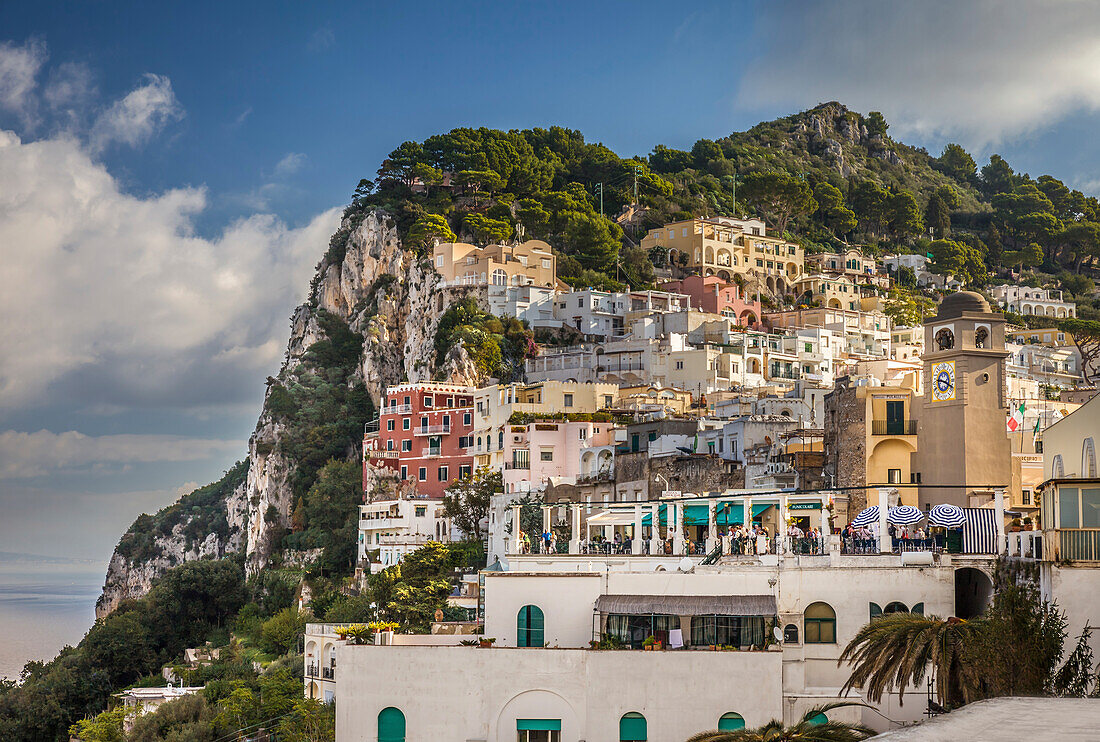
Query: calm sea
(44, 605)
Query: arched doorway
(973, 592)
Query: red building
(424, 431)
(712, 294)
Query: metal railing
(431, 452)
(517, 464)
(432, 430)
(398, 409)
(893, 427)
(1079, 544)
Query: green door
(529, 625)
(391, 725)
(895, 417)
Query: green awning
(758, 509)
(538, 725)
(730, 514)
(696, 515)
(633, 727)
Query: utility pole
(735, 195)
(599, 187)
(637, 169)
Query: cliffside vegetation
(201, 512)
(497, 346)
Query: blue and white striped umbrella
(904, 515)
(866, 517)
(948, 516)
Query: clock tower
(963, 452)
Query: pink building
(424, 432)
(712, 294)
(565, 451)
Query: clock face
(943, 381)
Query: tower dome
(963, 301)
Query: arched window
(790, 634)
(632, 728)
(981, 337)
(945, 339)
(875, 610)
(819, 719)
(529, 625)
(731, 722)
(918, 609)
(391, 725)
(500, 278)
(1088, 458)
(1057, 470)
(820, 620)
(895, 607)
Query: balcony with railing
(397, 409)
(1078, 544)
(431, 452)
(893, 427)
(383, 454)
(519, 464)
(432, 430)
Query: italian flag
(1016, 419)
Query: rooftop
(1064, 719)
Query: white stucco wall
(465, 693)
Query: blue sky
(169, 174)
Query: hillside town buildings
(680, 468)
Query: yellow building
(529, 264)
(1051, 336)
(851, 264)
(870, 439)
(724, 247)
(837, 292)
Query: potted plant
(649, 643)
(485, 643)
(1028, 524)
(1016, 525)
(355, 633)
(384, 631)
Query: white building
(139, 701)
(1032, 301)
(919, 265)
(394, 528)
(789, 616)
(530, 302)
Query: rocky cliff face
(394, 300)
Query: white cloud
(113, 297)
(34, 454)
(135, 118)
(290, 164)
(19, 66)
(978, 72)
(71, 84)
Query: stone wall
(846, 446)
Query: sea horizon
(46, 603)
